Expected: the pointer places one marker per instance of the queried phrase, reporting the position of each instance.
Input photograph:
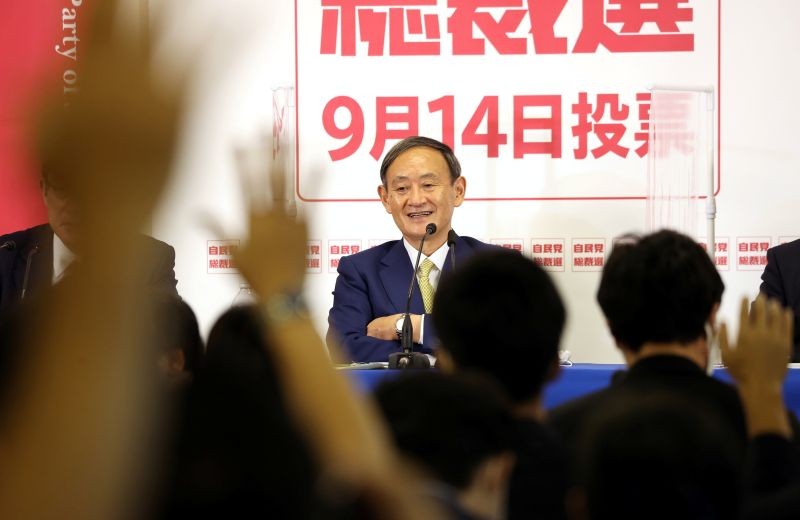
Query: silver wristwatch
(398, 326)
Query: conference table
(579, 379)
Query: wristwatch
(398, 326)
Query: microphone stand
(407, 358)
(28, 271)
(451, 243)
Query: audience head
(500, 314)
(458, 428)
(657, 458)
(177, 334)
(236, 450)
(660, 288)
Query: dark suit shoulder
(789, 249)
(371, 255)
(25, 237)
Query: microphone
(407, 358)
(451, 243)
(8, 245)
(28, 270)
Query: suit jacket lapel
(395, 273)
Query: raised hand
(759, 362)
(764, 344)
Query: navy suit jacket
(781, 281)
(13, 263)
(374, 283)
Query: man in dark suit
(38, 257)
(781, 281)
(660, 296)
(421, 183)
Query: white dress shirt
(62, 258)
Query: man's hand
(762, 350)
(386, 327)
(272, 260)
(759, 363)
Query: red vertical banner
(31, 34)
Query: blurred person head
(657, 458)
(500, 314)
(236, 449)
(63, 214)
(421, 183)
(660, 290)
(177, 336)
(459, 430)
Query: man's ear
(460, 186)
(383, 194)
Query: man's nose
(416, 195)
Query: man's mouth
(420, 214)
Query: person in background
(781, 281)
(460, 433)
(659, 294)
(500, 315)
(180, 348)
(421, 184)
(36, 258)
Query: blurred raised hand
(112, 146)
(77, 437)
(272, 258)
(758, 362)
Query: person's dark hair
(659, 458)
(449, 424)
(415, 141)
(177, 328)
(236, 450)
(500, 314)
(659, 288)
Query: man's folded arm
(349, 316)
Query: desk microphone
(8, 245)
(451, 243)
(32, 252)
(407, 358)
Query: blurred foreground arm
(345, 432)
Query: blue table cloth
(580, 379)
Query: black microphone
(8, 245)
(28, 270)
(407, 358)
(451, 243)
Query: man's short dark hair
(500, 314)
(659, 288)
(449, 424)
(415, 141)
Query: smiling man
(421, 183)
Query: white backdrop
(244, 48)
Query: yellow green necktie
(425, 287)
